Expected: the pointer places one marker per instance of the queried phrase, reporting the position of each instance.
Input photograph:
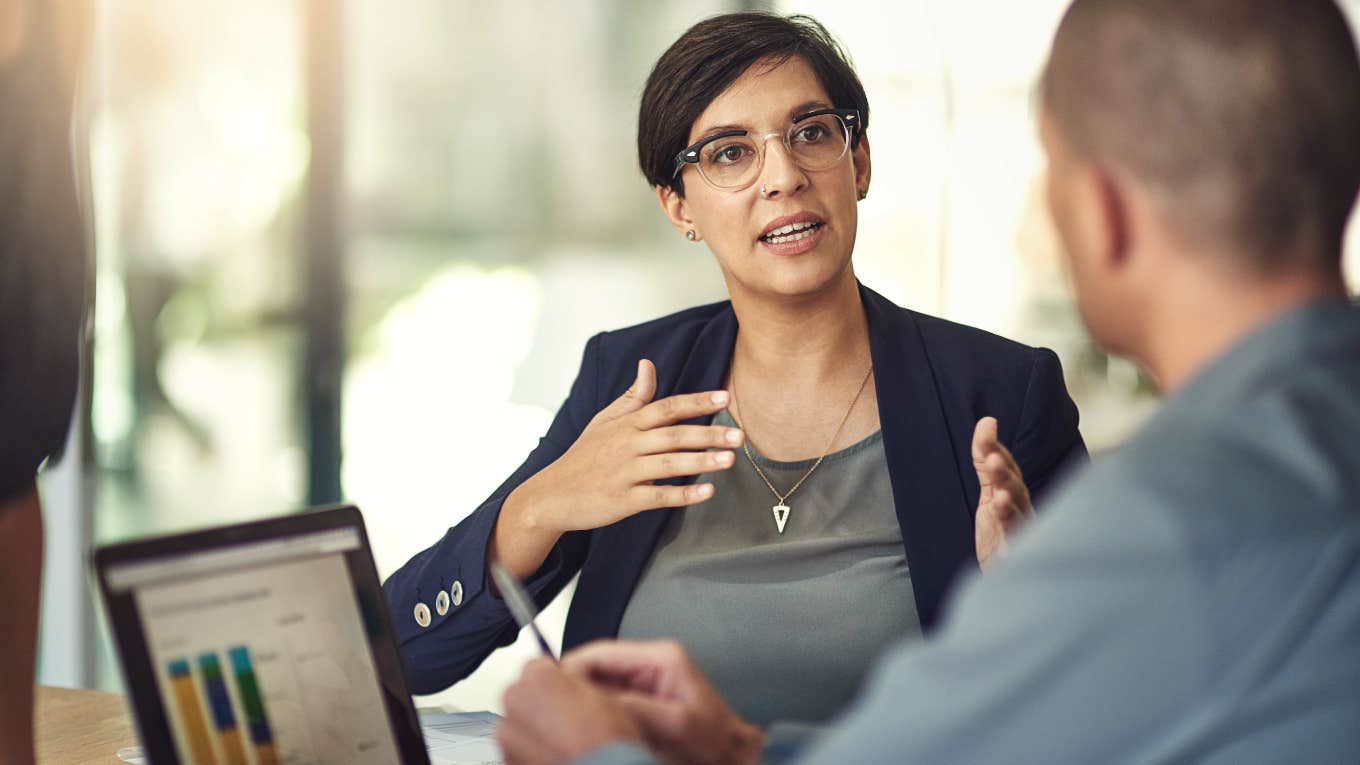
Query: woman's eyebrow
(808, 106)
(803, 108)
(714, 130)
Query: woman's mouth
(791, 233)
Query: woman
(784, 482)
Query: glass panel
(198, 156)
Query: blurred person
(834, 461)
(1195, 596)
(42, 299)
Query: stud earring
(690, 235)
(862, 195)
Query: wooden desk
(81, 727)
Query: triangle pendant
(781, 516)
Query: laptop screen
(260, 650)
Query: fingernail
(725, 458)
(734, 437)
(720, 397)
(705, 490)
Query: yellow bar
(231, 744)
(191, 715)
(266, 755)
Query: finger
(984, 439)
(520, 746)
(999, 470)
(680, 464)
(638, 395)
(649, 497)
(519, 699)
(662, 722)
(673, 409)
(521, 735)
(1003, 508)
(1006, 474)
(645, 666)
(1001, 450)
(1008, 508)
(679, 438)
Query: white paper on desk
(461, 738)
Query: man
(1194, 597)
(42, 289)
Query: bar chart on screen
(269, 666)
(256, 719)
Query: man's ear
(1104, 216)
(863, 167)
(677, 211)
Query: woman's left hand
(1003, 504)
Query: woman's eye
(811, 134)
(726, 155)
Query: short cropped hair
(709, 57)
(1242, 115)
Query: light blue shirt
(1194, 597)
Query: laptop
(260, 644)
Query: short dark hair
(709, 57)
(1242, 114)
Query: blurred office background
(352, 250)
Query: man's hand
(1004, 501)
(553, 717)
(684, 719)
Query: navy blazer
(934, 379)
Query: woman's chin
(792, 279)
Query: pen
(520, 604)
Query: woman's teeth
(791, 233)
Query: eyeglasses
(733, 159)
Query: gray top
(786, 625)
(1194, 597)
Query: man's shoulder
(1278, 467)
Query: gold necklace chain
(781, 510)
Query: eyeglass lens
(815, 143)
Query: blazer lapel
(620, 551)
(932, 507)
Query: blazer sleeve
(453, 645)
(1047, 443)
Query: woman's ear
(677, 211)
(863, 167)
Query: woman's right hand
(608, 474)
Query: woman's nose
(781, 175)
